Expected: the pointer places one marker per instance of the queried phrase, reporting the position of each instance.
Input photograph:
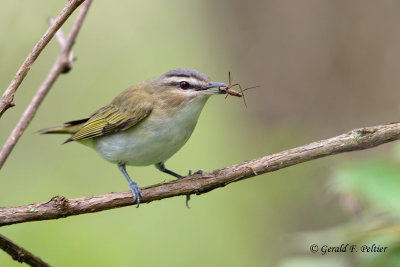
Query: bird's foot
(196, 172)
(187, 201)
(136, 193)
(190, 174)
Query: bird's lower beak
(217, 85)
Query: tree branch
(20, 254)
(61, 207)
(61, 65)
(7, 100)
(62, 41)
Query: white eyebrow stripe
(192, 81)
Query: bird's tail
(70, 127)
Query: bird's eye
(184, 85)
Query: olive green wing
(111, 119)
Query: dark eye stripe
(178, 83)
(172, 84)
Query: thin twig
(61, 207)
(7, 100)
(61, 65)
(20, 254)
(62, 41)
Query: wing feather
(110, 119)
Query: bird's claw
(187, 201)
(196, 172)
(136, 193)
(190, 174)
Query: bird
(146, 123)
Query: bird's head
(185, 86)
(189, 82)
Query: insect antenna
(249, 88)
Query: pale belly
(151, 141)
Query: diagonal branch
(62, 41)
(61, 207)
(61, 65)
(20, 254)
(7, 100)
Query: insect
(228, 91)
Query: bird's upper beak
(207, 89)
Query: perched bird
(147, 123)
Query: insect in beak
(228, 91)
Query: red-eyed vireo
(147, 123)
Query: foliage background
(324, 67)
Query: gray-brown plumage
(147, 123)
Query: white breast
(154, 140)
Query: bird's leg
(136, 192)
(161, 166)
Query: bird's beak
(207, 89)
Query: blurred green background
(324, 67)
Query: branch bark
(7, 100)
(20, 254)
(61, 207)
(61, 65)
